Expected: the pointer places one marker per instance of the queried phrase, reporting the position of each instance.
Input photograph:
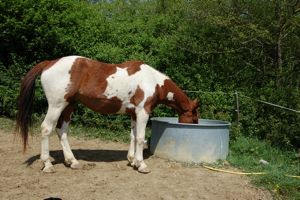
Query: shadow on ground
(90, 155)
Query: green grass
(113, 133)
(98, 132)
(118, 135)
(7, 124)
(244, 154)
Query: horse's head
(191, 115)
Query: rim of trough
(216, 123)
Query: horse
(132, 87)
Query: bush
(211, 46)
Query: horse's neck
(174, 97)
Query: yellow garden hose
(233, 172)
(292, 176)
(242, 173)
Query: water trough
(207, 141)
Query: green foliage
(216, 47)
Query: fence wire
(241, 95)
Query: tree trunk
(279, 41)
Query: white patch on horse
(117, 83)
(119, 86)
(55, 88)
(123, 86)
(170, 96)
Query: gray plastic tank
(206, 141)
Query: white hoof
(49, 169)
(76, 165)
(144, 170)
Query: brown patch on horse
(179, 96)
(153, 100)
(88, 83)
(101, 105)
(88, 78)
(138, 96)
(132, 66)
(136, 99)
(65, 115)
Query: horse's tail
(25, 101)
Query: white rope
(271, 104)
(258, 100)
(200, 91)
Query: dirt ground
(105, 175)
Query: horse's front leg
(132, 147)
(141, 122)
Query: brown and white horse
(131, 87)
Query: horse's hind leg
(62, 130)
(48, 125)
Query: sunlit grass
(246, 153)
(7, 124)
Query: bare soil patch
(106, 175)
